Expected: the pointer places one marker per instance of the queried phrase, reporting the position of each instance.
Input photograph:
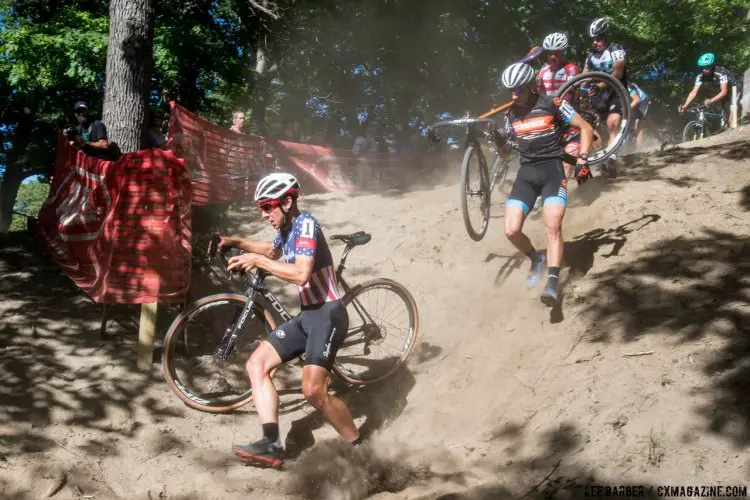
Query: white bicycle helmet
(598, 27)
(517, 75)
(275, 185)
(555, 41)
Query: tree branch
(264, 8)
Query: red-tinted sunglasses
(267, 206)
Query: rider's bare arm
(635, 100)
(587, 133)
(297, 273)
(693, 93)
(264, 248)
(721, 95)
(618, 69)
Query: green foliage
(30, 199)
(72, 46)
(337, 62)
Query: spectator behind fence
(238, 121)
(156, 139)
(89, 135)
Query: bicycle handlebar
(461, 122)
(256, 278)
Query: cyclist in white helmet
(299, 254)
(609, 58)
(537, 124)
(553, 75)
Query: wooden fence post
(146, 331)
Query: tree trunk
(129, 63)
(12, 178)
(14, 173)
(262, 95)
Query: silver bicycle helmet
(598, 27)
(517, 75)
(555, 41)
(275, 185)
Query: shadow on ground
(690, 289)
(45, 323)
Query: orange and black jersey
(538, 128)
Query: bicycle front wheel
(475, 193)
(383, 329)
(693, 131)
(595, 110)
(201, 379)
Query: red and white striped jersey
(549, 81)
(305, 238)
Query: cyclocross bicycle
(700, 128)
(208, 344)
(474, 166)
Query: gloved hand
(582, 172)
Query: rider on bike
(317, 331)
(553, 75)
(609, 58)
(712, 73)
(537, 123)
(639, 102)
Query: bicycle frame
(256, 287)
(703, 113)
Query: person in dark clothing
(90, 135)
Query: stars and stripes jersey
(720, 75)
(305, 238)
(549, 81)
(538, 128)
(605, 61)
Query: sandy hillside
(502, 397)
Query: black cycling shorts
(607, 103)
(546, 179)
(317, 332)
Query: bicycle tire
(410, 341)
(474, 234)
(171, 340)
(693, 124)
(602, 155)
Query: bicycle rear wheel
(592, 109)
(200, 379)
(383, 329)
(475, 190)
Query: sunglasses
(269, 205)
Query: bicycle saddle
(354, 239)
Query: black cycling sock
(533, 255)
(271, 432)
(553, 274)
